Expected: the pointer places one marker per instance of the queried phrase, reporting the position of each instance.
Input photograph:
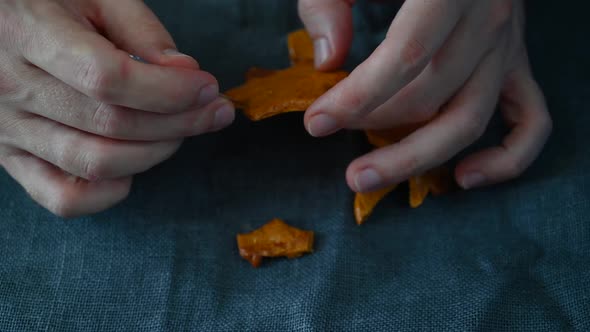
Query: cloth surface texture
(510, 257)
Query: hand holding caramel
(267, 93)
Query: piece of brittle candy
(267, 92)
(301, 49)
(275, 239)
(365, 203)
(436, 181)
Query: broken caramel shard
(289, 90)
(275, 239)
(436, 181)
(365, 203)
(419, 189)
(300, 48)
(267, 93)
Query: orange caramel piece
(267, 93)
(289, 90)
(365, 203)
(436, 181)
(300, 48)
(275, 239)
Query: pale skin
(79, 118)
(451, 60)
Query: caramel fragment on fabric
(275, 239)
(436, 181)
(365, 203)
(300, 48)
(267, 93)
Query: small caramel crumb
(275, 239)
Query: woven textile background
(512, 257)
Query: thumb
(134, 28)
(329, 23)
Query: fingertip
(329, 24)
(331, 50)
(367, 180)
(351, 177)
(224, 116)
(208, 94)
(322, 124)
(483, 168)
(362, 176)
(471, 179)
(201, 91)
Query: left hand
(446, 60)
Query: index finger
(83, 59)
(418, 31)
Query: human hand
(78, 116)
(448, 61)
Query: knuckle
(5, 16)
(95, 166)
(95, 78)
(501, 12)
(11, 25)
(414, 56)
(11, 128)
(7, 87)
(354, 101)
(87, 159)
(106, 120)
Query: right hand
(78, 116)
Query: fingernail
(224, 116)
(472, 180)
(321, 125)
(367, 180)
(208, 94)
(137, 58)
(173, 52)
(322, 51)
